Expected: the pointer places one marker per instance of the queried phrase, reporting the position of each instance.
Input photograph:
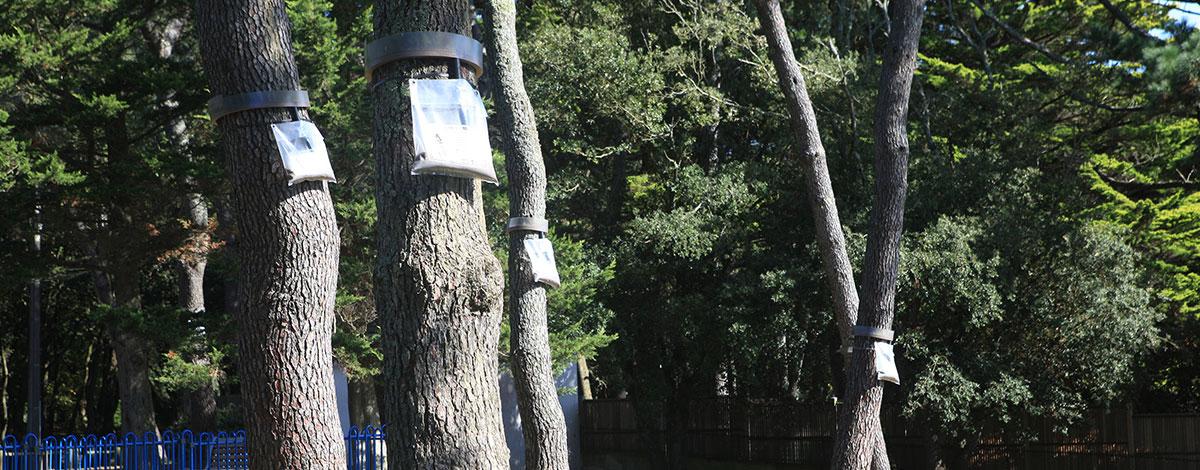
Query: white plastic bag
(450, 130)
(885, 363)
(303, 152)
(541, 258)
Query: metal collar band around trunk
(224, 105)
(532, 224)
(872, 332)
(424, 44)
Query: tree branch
(1125, 20)
(1019, 36)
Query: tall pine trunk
(200, 405)
(121, 249)
(288, 247)
(133, 356)
(831, 241)
(437, 284)
(542, 419)
(857, 436)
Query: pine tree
(537, 396)
(437, 284)
(288, 247)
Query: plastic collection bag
(541, 258)
(303, 152)
(450, 130)
(885, 363)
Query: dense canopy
(1050, 261)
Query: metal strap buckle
(419, 44)
(533, 224)
(223, 105)
(872, 332)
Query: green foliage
(576, 316)
(984, 353)
(1051, 261)
(177, 373)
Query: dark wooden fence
(769, 431)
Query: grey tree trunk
(200, 405)
(133, 357)
(542, 419)
(831, 241)
(438, 287)
(195, 260)
(856, 438)
(830, 238)
(363, 401)
(288, 247)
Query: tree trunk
(438, 287)
(831, 241)
(119, 249)
(288, 247)
(830, 238)
(4, 376)
(200, 405)
(35, 333)
(133, 383)
(15, 406)
(542, 419)
(364, 402)
(226, 232)
(857, 435)
(99, 390)
(132, 353)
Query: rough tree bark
(288, 247)
(542, 419)
(831, 241)
(856, 437)
(437, 283)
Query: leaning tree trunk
(542, 419)
(831, 241)
(856, 437)
(437, 284)
(288, 247)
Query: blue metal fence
(365, 450)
